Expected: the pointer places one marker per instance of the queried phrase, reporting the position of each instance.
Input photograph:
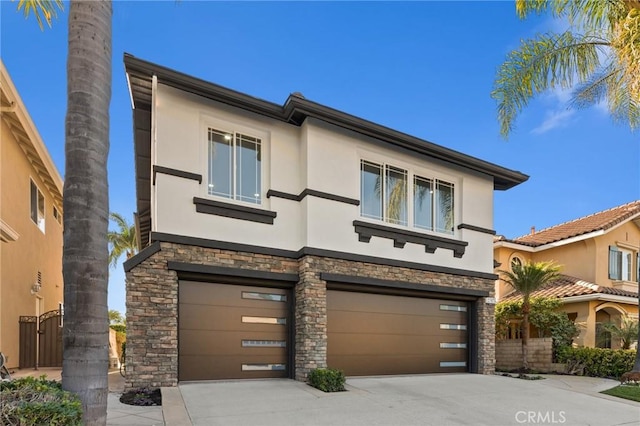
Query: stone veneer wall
(152, 306)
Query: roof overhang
(295, 111)
(600, 297)
(7, 233)
(16, 118)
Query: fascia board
(601, 296)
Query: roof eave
(600, 296)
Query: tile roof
(595, 222)
(567, 286)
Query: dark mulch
(142, 397)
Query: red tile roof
(595, 222)
(567, 286)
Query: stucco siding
(315, 156)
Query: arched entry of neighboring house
(607, 312)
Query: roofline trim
(30, 128)
(296, 106)
(600, 296)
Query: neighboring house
(599, 255)
(31, 236)
(281, 238)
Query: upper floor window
(235, 166)
(516, 262)
(620, 264)
(384, 195)
(37, 206)
(57, 215)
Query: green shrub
(597, 362)
(327, 379)
(31, 401)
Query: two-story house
(600, 267)
(281, 238)
(31, 285)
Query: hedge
(31, 401)
(597, 362)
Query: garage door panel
(216, 294)
(361, 365)
(389, 344)
(201, 367)
(352, 301)
(374, 334)
(350, 322)
(219, 343)
(208, 317)
(232, 331)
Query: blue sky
(424, 68)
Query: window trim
(619, 272)
(412, 174)
(228, 125)
(40, 221)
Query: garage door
(232, 331)
(374, 334)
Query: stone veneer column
(486, 335)
(152, 324)
(310, 319)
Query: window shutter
(638, 267)
(615, 263)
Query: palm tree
(597, 56)
(85, 200)
(599, 53)
(525, 279)
(122, 241)
(626, 331)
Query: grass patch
(631, 392)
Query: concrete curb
(173, 408)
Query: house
(599, 255)
(281, 238)
(31, 286)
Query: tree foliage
(122, 241)
(598, 57)
(626, 331)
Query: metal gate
(41, 340)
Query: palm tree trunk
(86, 207)
(525, 335)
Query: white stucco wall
(316, 156)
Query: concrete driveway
(453, 399)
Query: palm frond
(531, 276)
(41, 9)
(596, 87)
(122, 241)
(546, 62)
(583, 13)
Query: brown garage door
(232, 331)
(374, 334)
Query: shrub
(31, 401)
(597, 362)
(327, 379)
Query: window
(37, 206)
(516, 262)
(384, 196)
(56, 215)
(235, 166)
(620, 264)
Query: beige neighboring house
(599, 255)
(30, 227)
